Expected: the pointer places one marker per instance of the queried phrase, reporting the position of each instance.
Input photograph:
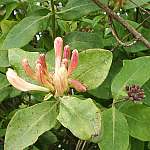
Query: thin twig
(83, 145)
(53, 19)
(79, 143)
(132, 30)
(127, 35)
(140, 7)
(114, 33)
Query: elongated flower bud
(58, 44)
(41, 60)
(66, 52)
(43, 78)
(74, 62)
(78, 86)
(28, 70)
(21, 84)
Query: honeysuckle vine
(57, 82)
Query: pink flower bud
(58, 44)
(21, 84)
(43, 78)
(65, 62)
(41, 60)
(39, 73)
(66, 52)
(28, 70)
(73, 62)
(78, 86)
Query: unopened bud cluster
(135, 92)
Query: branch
(134, 32)
(114, 33)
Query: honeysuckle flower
(57, 82)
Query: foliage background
(29, 27)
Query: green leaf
(23, 32)
(9, 8)
(3, 81)
(84, 40)
(4, 62)
(104, 90)
(134, 71)
(28, 124)
(115, 132)
(146, 88)
(77, 8)
(135, 3)
(6, 25)
(81, 117)
(138, 117)
(94, 65)
(8, 92)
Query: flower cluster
(57, 82)
(135, 93)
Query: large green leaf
(23, 32)
(115, 132)
(138, 117)
(77, 8)
(84, 40)
(134, 71)
(28, 124)
(94, 65)
(81, 117)
(104, 90)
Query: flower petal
(78, 86)
(28, 70)
(58, 44)
(61, 81)
(66, 52)
(21, 84)
(74, 62)
(44, 79)
(41, 60)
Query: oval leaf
(138, 117)
(115, 134)
(81, 117)
(28, 124)
(23, 32)
(134, 71)
(94, 65)
(84, 40)
(71, 10)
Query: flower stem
(53, 19)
